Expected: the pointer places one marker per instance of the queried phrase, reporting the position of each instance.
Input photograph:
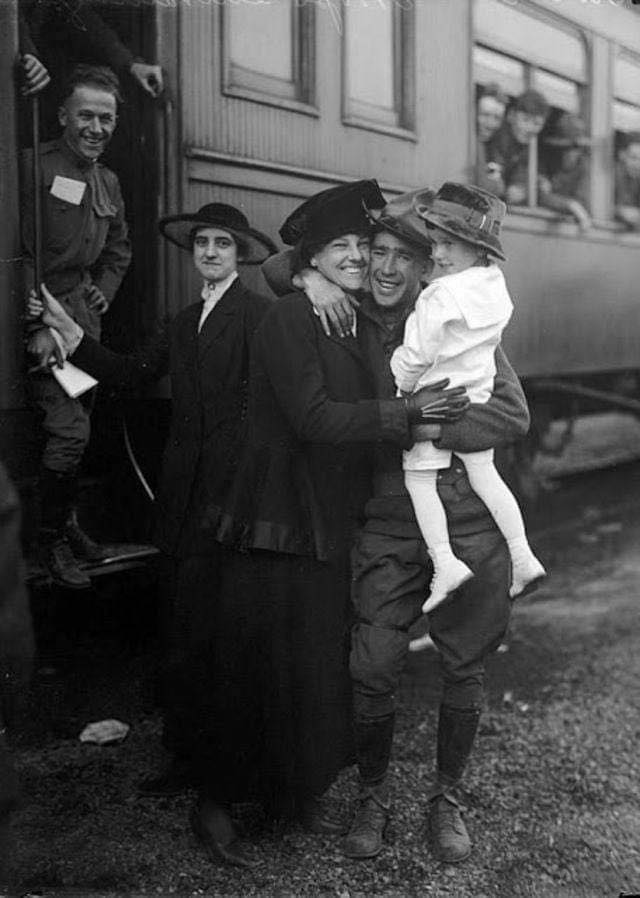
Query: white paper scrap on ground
(104, 731)
(73, 380)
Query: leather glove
(434, 404)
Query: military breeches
(390, 583)
(66, 423)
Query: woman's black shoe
(214, 830)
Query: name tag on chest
(68, 189)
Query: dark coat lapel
(220, 318)
(188, 335)
(350, 344)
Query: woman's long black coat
(273, 710)
(209, 377)
(304, 476)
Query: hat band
(481, 221)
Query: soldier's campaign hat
(331, 213)
(465, 211)
(569, 131)
(400, 218)
(254, 246)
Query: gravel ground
(552, 793)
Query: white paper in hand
(72, 380)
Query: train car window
(626, 140)
(626, 93)
(378, 86)
(268, 50)
(519, 50)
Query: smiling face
(525, 125)
(344, 261)
(395, 270)
(215, 254)
(88, 118)
(451, 255)
(489, 116)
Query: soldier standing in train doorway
(85, 254)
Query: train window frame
(357, 115)
(297, 95)
(620, 53)
(482, 40)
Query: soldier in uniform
(85, 254)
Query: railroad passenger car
(268, 102)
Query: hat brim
(462, 231)
(178, 229)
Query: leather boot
(82, 546)
(365, 838)
(450, 840)
(374, 737)
(56, 494)
(457, 728)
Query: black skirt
(259, 689)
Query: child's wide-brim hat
(466, 212)
(332, 213)
(255, 246)
(400, 218)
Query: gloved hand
(434, 404)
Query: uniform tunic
(83, 242)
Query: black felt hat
(466, 212)
(400, 218)
(331, 213)
(179, 230)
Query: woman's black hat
(179, 230)
(333, 212)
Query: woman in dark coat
(205, 350)
(275, 713)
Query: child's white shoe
(526, 575)
(449, 575)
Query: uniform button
(458, 470)
(439, 477)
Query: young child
(453, 332)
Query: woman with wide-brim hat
(206, 351)
(299, 492)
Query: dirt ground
(552, 793)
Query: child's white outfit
(453, 332)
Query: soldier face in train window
(451, 255)
(88, 118)
(215, 254)
(630, 158)
(344, 261)
(395, 270)
(524, 125)
(489, 117)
